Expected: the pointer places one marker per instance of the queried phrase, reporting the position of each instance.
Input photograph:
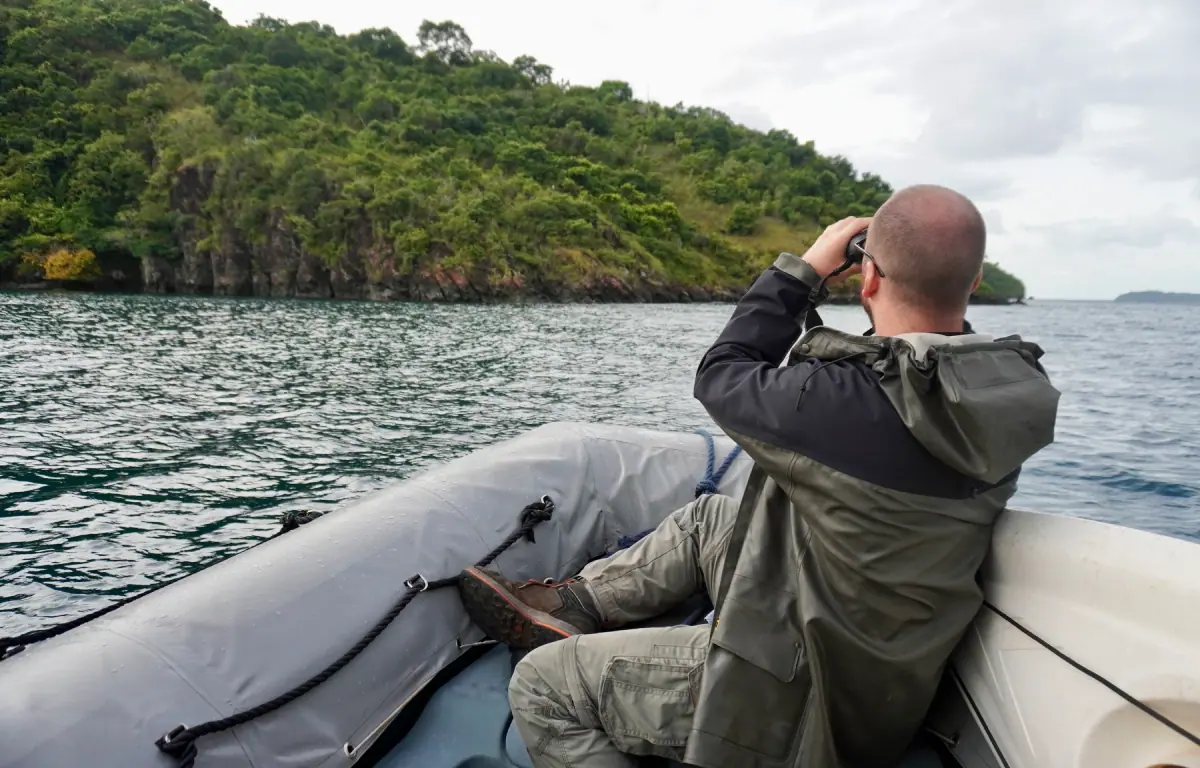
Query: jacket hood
(981, 405)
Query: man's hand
(829, 251)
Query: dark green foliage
(743, 220)
(998, 284)
(134, 126)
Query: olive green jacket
(881, 465)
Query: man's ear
(870, 278)
(978, 280)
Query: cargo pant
(591, 701)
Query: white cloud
(1072, 124)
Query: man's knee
(711, 516)
(536, 683)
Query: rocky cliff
(280, 266)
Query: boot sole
(504, 618)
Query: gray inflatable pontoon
(248, 629)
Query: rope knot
(712, 477)
(538, 512)
(293, 519)
(182, 749)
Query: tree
(446, 42)
(382, 44)
(63, 265)
(743, 220)
(616, 90)
(538, 74)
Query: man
(849, 575)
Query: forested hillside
(153, 145)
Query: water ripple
(141, 437)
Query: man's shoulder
(845, 421)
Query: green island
(1158, 297)
(153, 146)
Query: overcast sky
(1073, 124)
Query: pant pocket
(646, 705)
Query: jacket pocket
(647, 704)
(756, 687)
(760, 642)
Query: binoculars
(854, 252)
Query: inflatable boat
(329, 647)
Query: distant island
(151, 145)
(1159, 297)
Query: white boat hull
(1125, 604)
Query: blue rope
(711, 480)
(708, 484)
(625, 542)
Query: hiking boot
(526, 614)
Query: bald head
(930, 242)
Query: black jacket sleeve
(834, 412)
(740, 382)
